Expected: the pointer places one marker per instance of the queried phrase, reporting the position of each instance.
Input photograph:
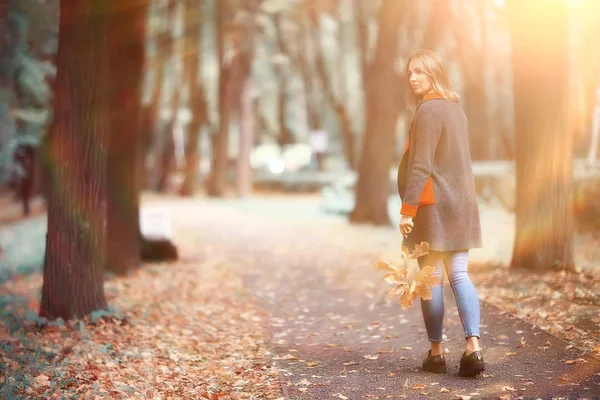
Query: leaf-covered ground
(223, 323)
(186, 330)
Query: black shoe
(435, 364)
(471, 365)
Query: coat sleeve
(424, 141)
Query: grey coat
(439, 147)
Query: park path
(333, 335)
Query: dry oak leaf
(425, 277)
(420, 250)
(411, 281)
(386, 266)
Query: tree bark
(126, 44)
(198, 103)
(544, 147)
(77, 152)
(383, 107)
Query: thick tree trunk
(544, 159)
(383, 107)
(198, 103)
(77, 152)
(126, 44)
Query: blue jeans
(456, 265)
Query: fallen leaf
(576, 361)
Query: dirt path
(332, 337)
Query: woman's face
(418, 79)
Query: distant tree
(77, 148)
(231, 77)
(126, 38)
(158, 40)
(247, 47)
(216, 184)
(470, 34)
(198, 103)
(544, 145)
(171, 99)
(282, 73)
(385, 87)
(327, 83)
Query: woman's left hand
(406, 225)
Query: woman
(439, 204)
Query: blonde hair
(432, 65)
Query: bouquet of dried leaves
(410, 281)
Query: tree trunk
(472, 60)
(246, 114)
(217, 180)
(285, 135)
(126, 44)
(544, 159)
(244, 170)
(337, 105)
(198, 103)
(77, 149)
(166, 154)
(475, 105)
(383, 107)
(151, 112)
(363, 37)
(230, 83)
(313, 109)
